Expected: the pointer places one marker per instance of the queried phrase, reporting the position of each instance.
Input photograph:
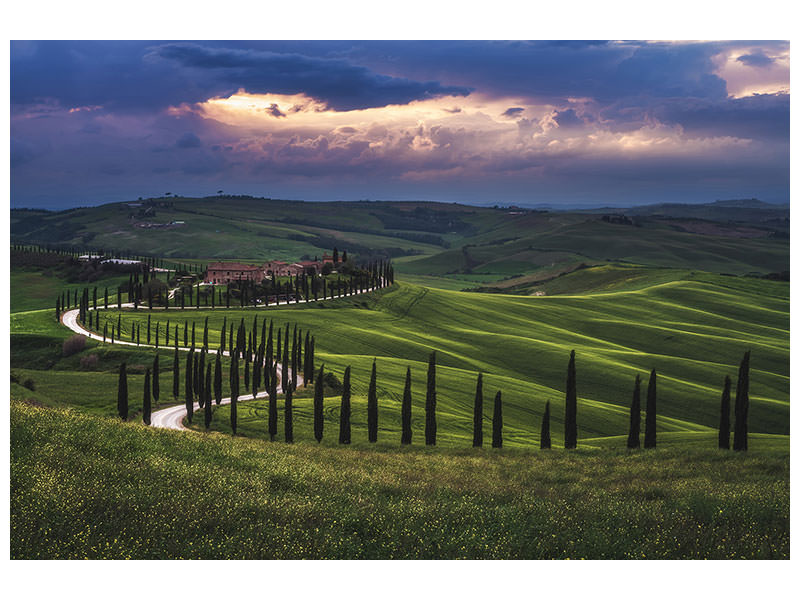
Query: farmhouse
(222, 272)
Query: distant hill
(751, 211)
(453, 246)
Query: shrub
(89, 363)
(30, 384)
(73, 345)
(332, 382)
(14, 377)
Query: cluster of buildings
(228, 272)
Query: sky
(543, 122)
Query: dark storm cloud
(756, 59)
(513, 112)
(188, 140)
(568, 118)
(341, 84)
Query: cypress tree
(256, 378)
(477, 415)
(294, 357)
(278, 353)
(185, 334)
(201, 369)
(272, 423)
(146, 407)
(222, 333)
(288, 426)
(166, 334)
(285, 362)
(344, 413)
(207, 396)
(192, 335)
(405, 410)
(176, 375)
(156, 380)
(246, 370)
(189, 393)
(234, 391)
(372, 405)
(122, 393)
(742, 405)
(319, 406)
(544, 436)
(205, 333)
(497, 422)
(310, 359)
(148, 329)
(725, 416)
(636, 415)
(650, 416)
(430, 402)
(105, 331)
(571, 408)
(218, 379)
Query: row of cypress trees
(289, 384)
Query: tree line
(152, 293)
(298, 358)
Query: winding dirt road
(171, 417)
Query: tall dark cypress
(288, 424)
(156, 380)
(285, 361)
(497, 421)
(310, 359)
(650, 416)
(430, 402)
(372, 405)
(176, 376)
(188, 393)
(544, 435)
(207, 397)
(272, 418)
(742, 405)
(192, 335)
(205, 333)
(146, 406)
(477, 414)
(201, 369)
(405, 410)
(218, 379)
(636, 415)
(122, 393)
(344, 412)
(725, 416)
(319, 406)
(222, 334)
(571, 408)
(234, 391)
(294, 358)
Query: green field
(89, 487)
(705, 323)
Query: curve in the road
(172, 417)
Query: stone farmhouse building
(229, 272)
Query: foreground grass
(89, 487)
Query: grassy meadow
(704, 325)
(89, 487)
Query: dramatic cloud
(617, 122)
(757, 59)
